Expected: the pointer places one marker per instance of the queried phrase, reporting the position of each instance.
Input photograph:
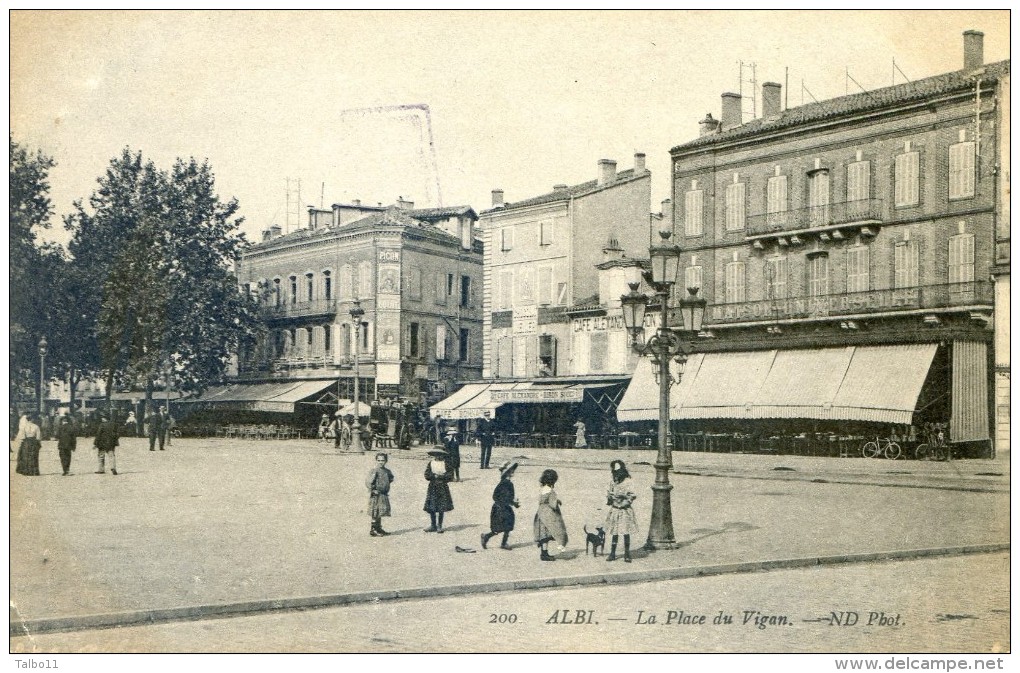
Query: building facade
(550, 354)
(852, 251)
(417, 275)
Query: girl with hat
(501, 518)
(620, 520)
(452, 444)
(438, 500)
(548, 519)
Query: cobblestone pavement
(958, 604)
(221, 521)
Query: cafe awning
(863, 383)
(273, 397)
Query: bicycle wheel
(921, 452)
(893, 451)
(870, 450)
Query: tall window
(905, 264)
(440, 342)
(818, 197)
(735, 210)
(413, 284)
(506, 235)
(734, 282)
(293, 289)
(692, 277)
(365, 279)
(465, 339)
(440, 288)
(506, 290)
(961, 258)
(545, 285)
(776, 201)
(776, 271)
(327, 285)
(961, 170)
(907, 179)
(561, 293)
(465, 290)
(694, 203)
(545, 232)
(310, 286)
(277, 291)
(858, 181)
(327, 339)
(818, 275)
(857, 277)
(414, 341)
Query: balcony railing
(974, 293)
(847, 213)
(301, 309)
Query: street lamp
(357, 313)
(663, 346)
(42, 372)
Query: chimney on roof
(404, 205)
(708, 125)
(560, 187)
(356, 202)
(973, 49)
(275, 231)
(612, 249)
(667, 211)
(497, 198)
(771, 99)
(731, 112)
(639, 163)
(607, 171)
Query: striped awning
(273, 397)
(864, 383)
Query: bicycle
(882, 446)
(935, 448)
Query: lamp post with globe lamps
(663, 346)
(43, 346)
(357, 313)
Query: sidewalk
(214, 526)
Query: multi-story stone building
(549, 356)
(417, 274)
(855, 256)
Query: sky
(436, 107)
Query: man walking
(487, 438)
(154, 425)
(106, 443)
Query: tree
(30, 209)
(160, 248)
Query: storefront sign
(537, 395)
(612, 323)
(806, 307)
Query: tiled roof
(565, 194)
(859, 102)
(432, 214)
(586, 304)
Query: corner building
(855, 256)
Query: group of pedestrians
(549, 528)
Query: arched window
(277, 290)
(327, 285)
(310, 285)
(293, 289)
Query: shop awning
(473, 400)
(274, 397)
(864, 383)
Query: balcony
(834, 221)
(302, 309)
(947, 295)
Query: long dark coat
(501, 518)
(67, 438)
(453, 450)
(107, 437)
(437, 497)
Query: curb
(19, 628)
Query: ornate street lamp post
(663, 346)
(357, 313)
(42, 374)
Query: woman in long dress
(29, 442)
(620, 520)
(549, 524)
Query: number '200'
(502, 618)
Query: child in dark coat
(438, 500)
(501, 517)
(378, 482)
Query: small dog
(595, 540)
